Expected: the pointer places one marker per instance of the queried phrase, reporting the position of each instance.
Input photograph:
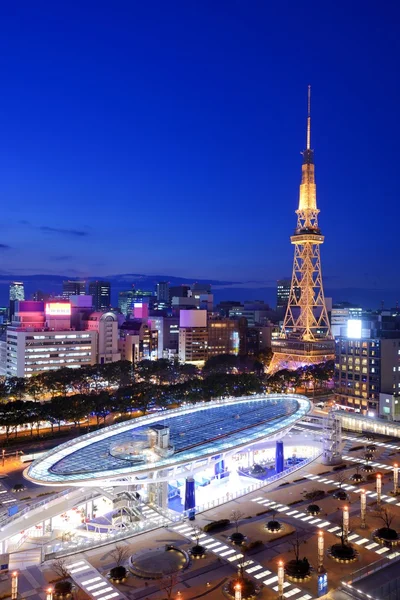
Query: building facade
(193, 336)
(223, 337)
(101, 294)
(106, 327)
(73, 288)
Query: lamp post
(14, 585)
(378, 488)
(4, 455)
(363, 500)
(320, 551)
(238, 592)
(345, 524)
(49, 593)
(395, 478)
(281, 579)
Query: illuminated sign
(58, 309)
(354, 328)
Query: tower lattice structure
(306, 337)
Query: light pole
(378, 488)
(345, 524)
(49, 593)
(281, 579)
(238, 592)
(14, 585)
(320, 551)
(4, 455)
(363, 500)
(395, 478)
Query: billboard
(193, 318)
(58, 309)
(354, 329)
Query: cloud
(5, 247)
(71, 232)
(60, 258)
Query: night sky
(165, 137)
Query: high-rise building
(306, 336)
(162, 291)
(73, 288)
(179, 291)
(223, 337)
(282, 293)
(17, 292)
(40, 296)
(193, 336)
(367, 364)
(125, 302)
(106, 326)
(101, 294)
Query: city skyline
(176, 137)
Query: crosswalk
(152, 515)
(327, 526)
(251, 567)
(352, 488)
(92, 583)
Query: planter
(343, 553)
(197, 551)
(313, 509)
(273, 526)
(386, 535)
(248, 588)
(298, 570)
(340, 495)
(357, 478)
(237, 538)
(118, 574)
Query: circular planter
(340, 495)
(357, 478)
(343, 553)
(248, 588)
(368, 455)
(371, 447)
(298, 570)
(314, 510)
(273, 526)
(367, 468)
(386, 535)
(237, 538)
(197, 551)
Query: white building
(193, 336)
(106, 327)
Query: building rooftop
(198, 431)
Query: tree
(168, 583)
(34, 387)
(16, 387)
(119, 554)
(59, 566)
(222, 363)
(236, 515)
(340, 478)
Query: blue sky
(165, 137)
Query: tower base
(293, 354)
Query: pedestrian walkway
(323, 524)
(91, 582)
(234, 556)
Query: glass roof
(195, 432)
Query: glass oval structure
(168, 439)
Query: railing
(53, 551)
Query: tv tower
(306, 337)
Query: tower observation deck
(306, 338)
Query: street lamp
(281, 579)
(320, 551)
(345, 524)
(4, 455)
(378, 488)
(49, 593)
(238, 592)
(363, 500)
(14, 585)
(395, 478)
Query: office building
(41, 339)
(16, 293)
(340, 314)
(73, 288)
(223, 337)
(101, 294)
(282, 293)
(137, 341)
(193, 336)
(367, 364)
(105, 324)
(178, 291)
(168, 335)
(40, 296)
(162, 292)
(125, 302)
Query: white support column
(14, 585)
(363, 500)
(378, 488)
(395, 479)
(281, 579)
(346, 524)
(320, 551)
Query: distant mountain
(222, 290)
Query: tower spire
(309, 119)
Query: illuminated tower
(306, 337)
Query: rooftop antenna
(309, 119)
